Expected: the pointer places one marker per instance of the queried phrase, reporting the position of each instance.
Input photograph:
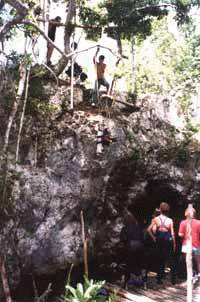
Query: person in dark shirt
(53, 24)
(132, 237)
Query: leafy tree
(172, 64)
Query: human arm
(95, 56)
(181, 232)
(151, 230)
(173, 235)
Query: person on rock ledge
(53, 24)
(100, 70)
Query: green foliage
(86, 292)
(36, 106)
(14, 60)
(169, 61)
(129, 18)
(90, 16)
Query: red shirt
(195, 232)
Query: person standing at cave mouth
(132, 237)
(184, 234)
(162, 233)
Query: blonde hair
(190, 213)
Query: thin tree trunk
(8, 129)
(22, 115)
(133, 62)
(15, 103)
(4, 279)
(84, 245)
(60, 66)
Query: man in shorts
(100, 70)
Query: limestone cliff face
(152, 158)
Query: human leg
(49, 52)
(105, 84)
(196, 253)
(164, 251)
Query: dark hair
(101, 57)
(74, 45)
(58, 19)
(164, 208)
(83, 76)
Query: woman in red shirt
(184, 234)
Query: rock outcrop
(154, 157)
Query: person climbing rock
(99, 139)
(107, 138)
(104, 138)
(100, 70)
(53, 24)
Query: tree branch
(163, 5)
(22, 11)
(27, 22)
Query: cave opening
(155, 192)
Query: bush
(89, 291)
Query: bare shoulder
(169, 220)
(156, 220)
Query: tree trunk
(20, 91)
(15, 104)
(133, 62)
(62, 63)
(84, 240)
(22, 11)
(22, 115)
(4, 279)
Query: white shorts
(186, 249)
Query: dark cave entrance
(157, 191)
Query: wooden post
(85, 259)
(189, 254)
